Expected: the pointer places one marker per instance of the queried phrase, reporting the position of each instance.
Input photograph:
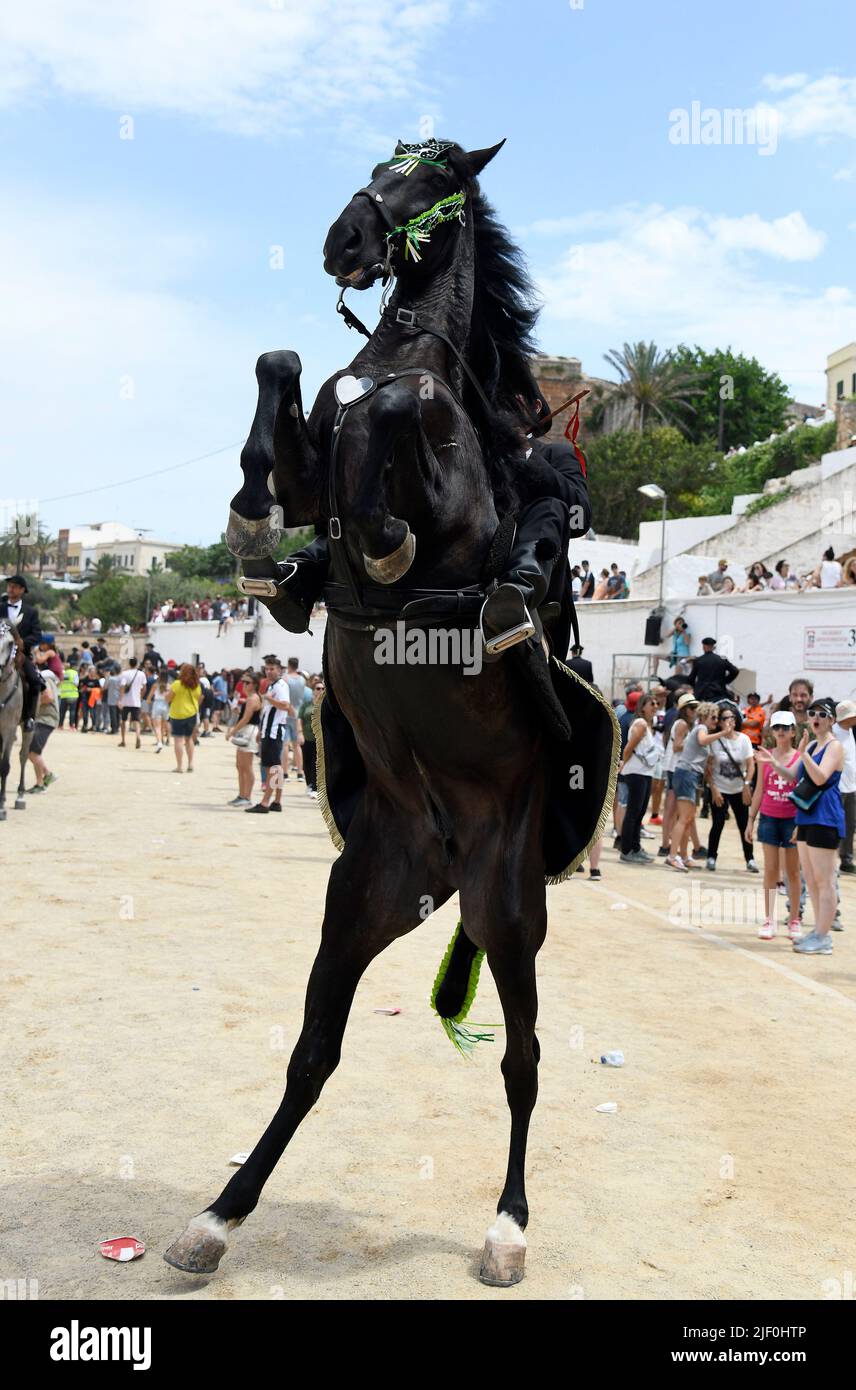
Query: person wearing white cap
(843, 728)
(820, 818)
(776, 817)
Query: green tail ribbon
(462, 1038)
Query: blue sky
(137, 281)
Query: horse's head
(408, 216)
(8, 645)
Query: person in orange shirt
(754, 719)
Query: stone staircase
(815, 509)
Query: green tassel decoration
(464, 1039)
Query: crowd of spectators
(784, 772)
(612, 583)
(828, 574)
(179, 705)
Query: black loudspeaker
(248, 639)
(653, 626)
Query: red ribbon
(571, 430)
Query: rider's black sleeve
(565, 480)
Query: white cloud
(823, 107)
(787, 238)
(248, 66)
(784, 84)
(681, 274)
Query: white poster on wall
(829, 648)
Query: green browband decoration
(464, 1039)
(417, 231)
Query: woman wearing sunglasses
(815, 776)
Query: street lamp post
(656, 494)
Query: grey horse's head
(8, 646)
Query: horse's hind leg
(504, 909)
(374, 896)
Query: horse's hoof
(389, 568)
(20, 804)
(200, 1247)
(2, 813)
(254, 540)
(504, 1253)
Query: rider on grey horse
(24, 618)
(557, 508)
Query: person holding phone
(816, 774)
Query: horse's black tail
(455, 988)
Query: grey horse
(11, 711)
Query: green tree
(189, 560)
(619, 463)
(110, 599)
(697, 479)
(657, 386)
(213, 561)
(739, 402)
(296, 542)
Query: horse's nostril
(354, 242)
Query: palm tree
(652, 383)
(45, 545)
(8, 548)
(103, 568)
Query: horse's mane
(502, 340)
(505, 310)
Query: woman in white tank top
(640, 758)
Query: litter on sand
(612, 1059)
(618, 907)
(390, 1011)
(237, 1159)
(122, 1248)
(609, 1107)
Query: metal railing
(628, 667)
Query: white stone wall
(764, 634)
(180, 641)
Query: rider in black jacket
(25, 619)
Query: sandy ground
(154, 957)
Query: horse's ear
(477, 159)
(399, 146)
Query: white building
(79, 548)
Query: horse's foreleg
(396, 435)
(20, 797)
(4, 773)
(371, 900)
(278, 462)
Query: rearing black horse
(424, 469)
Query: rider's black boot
(290, 588)
(507, 615)
(33, 687)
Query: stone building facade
(845, 416)
(560, 377)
